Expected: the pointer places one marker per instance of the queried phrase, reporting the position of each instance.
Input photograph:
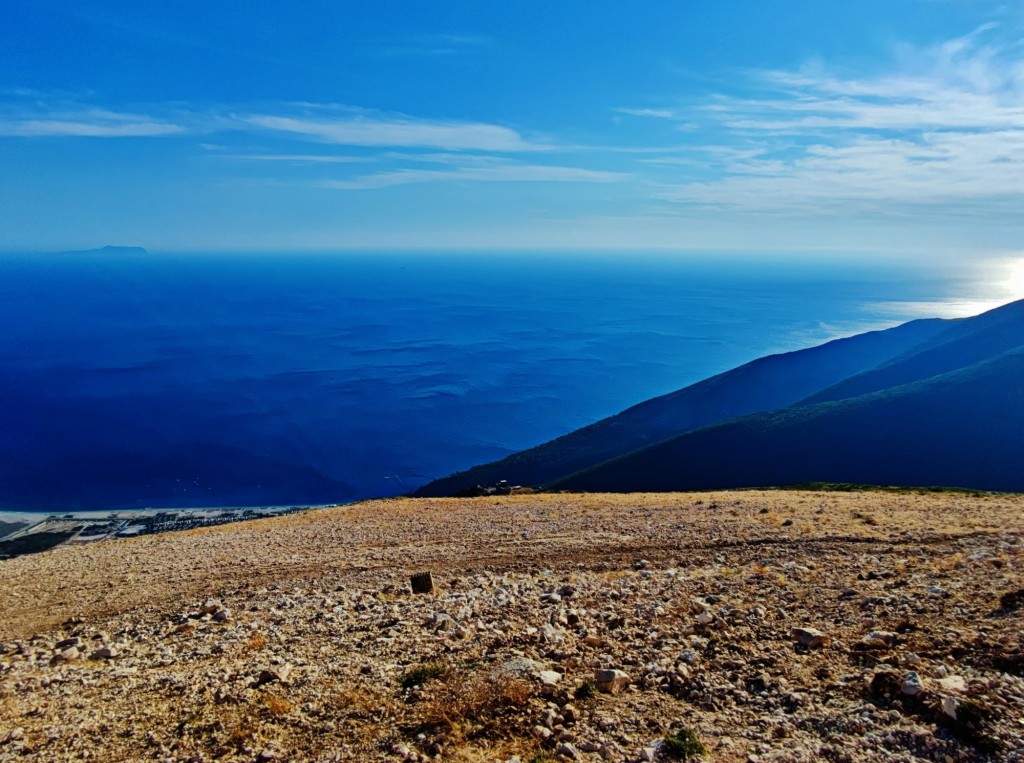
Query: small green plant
(421, 674)
(682, 745)
(586, 690)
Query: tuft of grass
(278, 706)
(471, 701)
(422, 674)
(256, 642)
(865, 518)
(586, 690)
(682, 745)
(543, 757)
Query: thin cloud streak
(298, 158)
(88, 123)
(401, 132)
(510, 173)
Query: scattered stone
(275, 675)
(566, 750)
(955, 684)
(549, 677)
(611, 681)
(440, 621)
(912, 685)
(692, 636)
(811, 638)
(222, 615)
(878, 640)
(209, 607)
(520, 667)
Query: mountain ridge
(765, 383)
(877, 370)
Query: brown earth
(108, 654)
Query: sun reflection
(1014, 279)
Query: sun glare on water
(1014, 279)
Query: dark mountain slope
(962, 429)
(764, 384)
(964, 343)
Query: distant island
(108, 250)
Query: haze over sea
(148, 380)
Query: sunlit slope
(761, 385)
(962, 344)
(963, 429)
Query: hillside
(958, 429)
(787, 626)
(962, 344)
(761, 385)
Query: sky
(884, 127)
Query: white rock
(912, 685)
(955, 684)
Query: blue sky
(820, 127)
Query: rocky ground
(759, 626)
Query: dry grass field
(297, 639)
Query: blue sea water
(131, 380)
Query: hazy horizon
(884, 127)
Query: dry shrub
(278, 706)
(241, 730)
(473, 700)
(359, 702)
(256, 642)
(760, 570)
(866, 518)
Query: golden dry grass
(44, 590)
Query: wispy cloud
(298, 158)
(431, 45)
(482, 169)
(655, 113)
(86, 123)
(397, 131)
(946, 129)
(312, 122)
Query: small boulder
(566, 750)
(611, 681)
(520, 667)
(812, 638)
(104, 653)
(912, 684)
(878, 640)
(549, 677)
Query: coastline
(24, 533)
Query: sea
(131, 380)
